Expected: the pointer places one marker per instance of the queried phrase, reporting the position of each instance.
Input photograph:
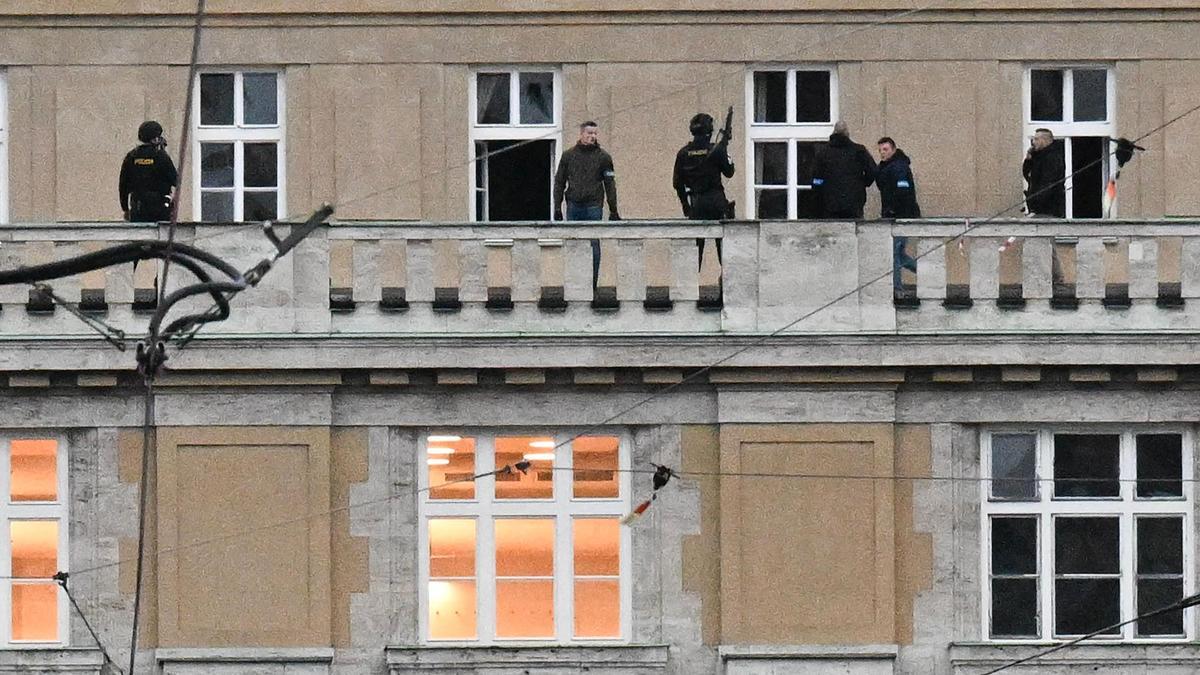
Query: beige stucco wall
(377, 104)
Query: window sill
(610, 658)
(856, 659)
(51, 660)
(314, 661)
(969, 657)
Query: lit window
(239, 146)
(536, 555)
(515, 135)
(1084, 530)
(36, 517)
(1078, 106)
(790, 113)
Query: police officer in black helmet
(699, 166)
(147, 177)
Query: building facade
(939, 484)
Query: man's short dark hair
(886, 139)
(1044, 131)
(587, 124)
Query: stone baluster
(447, 275)
(499, 274)
(393, 275)
(341, 275)
(659, 272)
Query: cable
(1189, 601)
(111, 334)
(61, 578)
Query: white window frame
(564, 507)
(1127, 509)
(58, 510)
(3, 147)
(1068, 128)
(239, 134)
(790, 132)
(513, 131)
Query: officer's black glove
(558, 214)
(613, 215)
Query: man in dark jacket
(147, 178)
(585, 177)
(1045, 170)
(898, 199)
(842, 172)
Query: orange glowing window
(452, 606)
(538, 481)
(597, 559)
(524, 577)
(34, 556)
(595, 469)
(451, 464)
(33, 476)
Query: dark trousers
(577, 211)
(901, 260)
(708, 206)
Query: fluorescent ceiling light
(444, 439)
(437, 461)
(541, 444)
(540, 456)
(439, 450)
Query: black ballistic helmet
(701, 125)
(149, 131)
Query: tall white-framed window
(516, 139)
(1085, 528)
(790, 111)
(238, 153)
(528, 557)
(33, 480)
(3, 147)
(1077, 104)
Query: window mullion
(791, 96)
(485, 548)
(239, 112)
(1128, 575)
(792, 179)
(1068, 95)
(564, 564)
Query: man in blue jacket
(898, 199)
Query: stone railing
(511, 279)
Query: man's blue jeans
(577, 211)
(901, 259)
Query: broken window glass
(1086, 465)
(1014, 467)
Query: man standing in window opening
(699, 166)
(842, 172)
(1045, 170)
(147, 177)
(898, 199)
(585, 177)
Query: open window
(516, 133)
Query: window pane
(451, 462)
(538, 483)
(1085, 605)
(34, 548)
(1014, 608)
(595, 471)
(808, 203)
(35, 612)
(772, 204)
(451, 547)
(1159, 546)
(1091, 95)
(1086, 465)
(597, 547)
(537, 98)
(1155, 594)
(260, 205)
(812, 96)
(1159, 465)
(770, 96)
(525, 609)
(34, 470)
(1089, 156)
(216, 207)
(524, 547)
(452, 609)
(493, 99)
(261, 164)
(1046, 96)
(770, 164)
(1014, 545)
(806, 157)
(1013, 466)
(216, 99)
(260, 102)
(1086, 545)
(216, 165)
(597, 608)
